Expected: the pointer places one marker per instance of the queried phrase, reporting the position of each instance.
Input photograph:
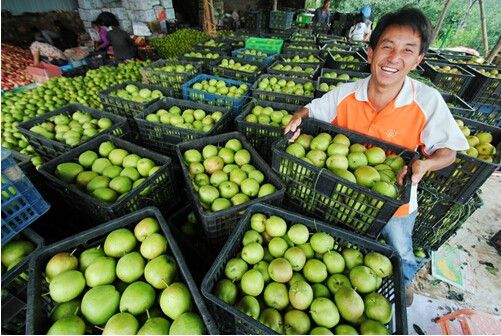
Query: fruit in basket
(446, 69)
(100, 304)
(238, 66)
(480, 144)
(60, 263)
(197, 120)
(155, 326)
(70, 325)
(309, 292)
(220, 87)
(208, 55)
(14, 251)
(301, 59)
(290, 87)
(136, 94)
(254, 52)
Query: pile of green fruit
(15, 251)
(196, 54)
(55, 93)
(179, 68)
(109, 174)
(254, 52)
(473, 60)
(302, 47)
(224, 177)
(181, 41)
(368, 167)
(326, 87)
(302, 59)
(297, 283)
(72, 129)
(197, 120)
(446, 69)
(494, 73)
(219, 87)
(273, 84)
(136, 94)
(130, 285)
(308, 69)
(346, 59)
(211, 43)
(342, 76)
(266, 115)
(231, 64)
(480, 143)
(303, 39)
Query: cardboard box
(89, 14)
(140, 5)
(170, 14)
(126, 25)
(142, 15)
(166, 3)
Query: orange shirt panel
(401, 126)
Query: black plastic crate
(281, 19)
(483, 89)
(40, 305)
(158, 189)
(163, 138)
(154, 76)
(465, 176)
(487, 114)
(49, 149)
(198, 254)
(282, 97)
(458, 106)
(249, 77)
(15, 288)
(448, 82)
(321, 194)
(284, 34)
(223, 47)
(147, 53)
(496, 242)
(329, 81)
(439, 218)
(233, 321)
(295, 74)
(207, 63)
(129, 108)
(261, 136)
(360, 66)
(218, 225)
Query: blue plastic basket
(235, 104)
(21, 202)
(267, 60)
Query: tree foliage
(459, 28)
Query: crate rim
(401, 315)
(106, 93)
(107, 227)
(273, 178)
(464, 72)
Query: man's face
(395, 55)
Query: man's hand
(293, 125)
(419, 168)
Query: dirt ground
(484, 261)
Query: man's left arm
(442, 158)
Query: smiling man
(393, 107)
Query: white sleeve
(324, 108)
(440, 130)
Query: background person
(122, 44)
(361, 30)
(323, 14)
(391, 106)
(103, 42)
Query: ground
(483, 261)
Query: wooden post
(275, 5)
(494, 51)
(484, 27)
(440, 20)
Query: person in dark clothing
(122, 44)
(67, 37)
(322, 14)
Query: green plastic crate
(264, 44)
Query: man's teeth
(392, 70)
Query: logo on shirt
(391, 133)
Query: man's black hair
(409, 17)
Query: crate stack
(22, 205)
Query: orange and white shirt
(417, 118)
